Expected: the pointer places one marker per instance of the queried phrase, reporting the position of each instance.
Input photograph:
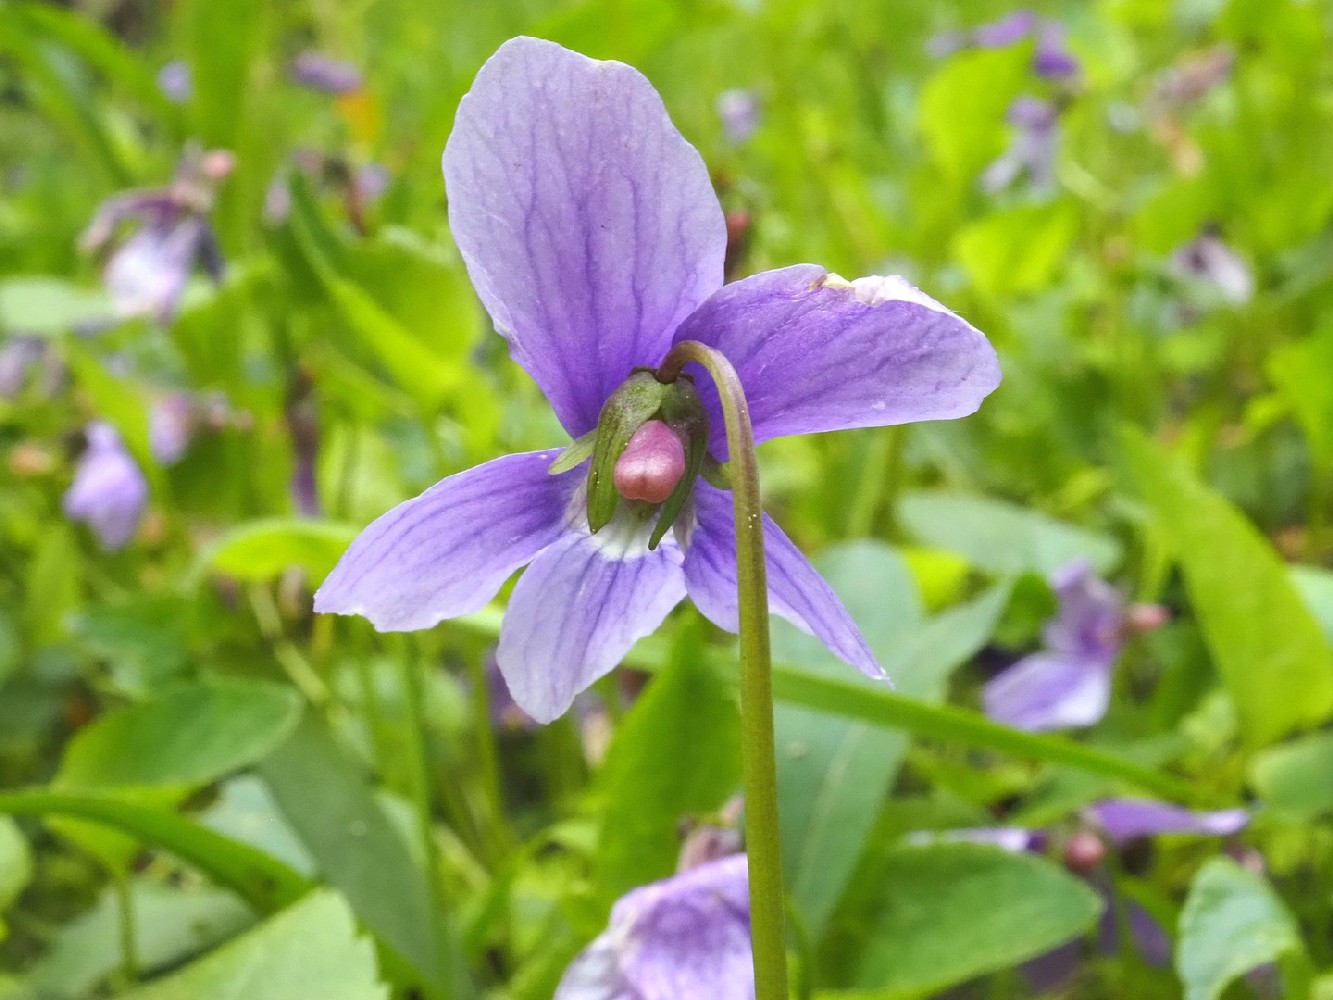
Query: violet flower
(175, 81)
(1008, 30)
(685, 938)
(109, 492)
(1033, 150)
(1209, 262)
(595, 241)
(325, 73)
(1069, 682)
(146, 274)
(171, 423)
(1052, 59)
(1122, 820)
(739, 111)
(18, 357)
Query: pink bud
(1146, 617)
(651, 464)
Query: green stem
(763, 842)
(129, 931)
(418, 769)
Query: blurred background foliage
(185, 751)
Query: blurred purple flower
(1069, 682)
(1032, 151)
(325, 73)
(146, 274)
(18, 357)
(685, 938)
(171, 422)
(1008, 30)
(504, 711)
(739, 110)
(1208, 261)
(591, 231)
(1052, 59)
(109, 492)
(359, 186)
(717, 838)
(1128, 819)
(175, 82)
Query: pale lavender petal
(796, 591)
(818, 353)
(325, 73)
(1032, 151)
(447, 552)
(18, 356)
(587, 222)
(579, 608)
(1091, 622)
(1126, 819)
(689, 937)
(1049, 691)
(685, 938)
(1211, 262)
(1014, 839)
(739, 111)
(1053, 59)
(146, 275)
(1008, 30)
(170, 425)
(109, 492)
(175, 82)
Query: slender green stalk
(763, 842)
(418, 769)
(129, 929)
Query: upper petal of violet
(588, 224)
(818, 353)
(447, 552)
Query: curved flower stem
(762, 839)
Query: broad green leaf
(184, 738)
(329, 801)
(15, 862)
(1232, 922)
(1316, 587)
(1296, 778)
(963, 105)
(1017, 251)
(311, 949)
(1276, 662)
(171, 924)
(950, 912)
(264, 883)
(47, 306)
(1301, 373)
(1000, 537)
(833, 772)
(261, 550)
(677, 752)
(51, 588)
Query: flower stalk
(763, 841)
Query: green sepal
(629, 408)
(718, 473)
(574, 454)
(683, 411)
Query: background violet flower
(1032, 151)
(1069, 682)
(325, 73)
(685, 938)
(592, 234)
(109, 492)
(739, 111)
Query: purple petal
(324, 73)
(1091, 622)
(818, 353)
(146, 275)
(175, 81)
(18, 357)
(686, 938)
(579, 608)
(588, 223)
(447, 552)
(1052, 59)
(1008, 30)
(796, 591)
(1049, 691)
(1126, 819)
(170, 425)
(739, 110)
(109, 492)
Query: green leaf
(950, 912)
(172, 924)
(261, 881)
(1232, 922)
(1295, 777)
(677, 752)
(48, 306)
(1300, 372)
(835, 773)
(1276, 662)
(309, 950)
(181, 739)
(963, 105)
(1000, 537)
(329, 802)
(261, 550)
(15, 862)
(1017, 251)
